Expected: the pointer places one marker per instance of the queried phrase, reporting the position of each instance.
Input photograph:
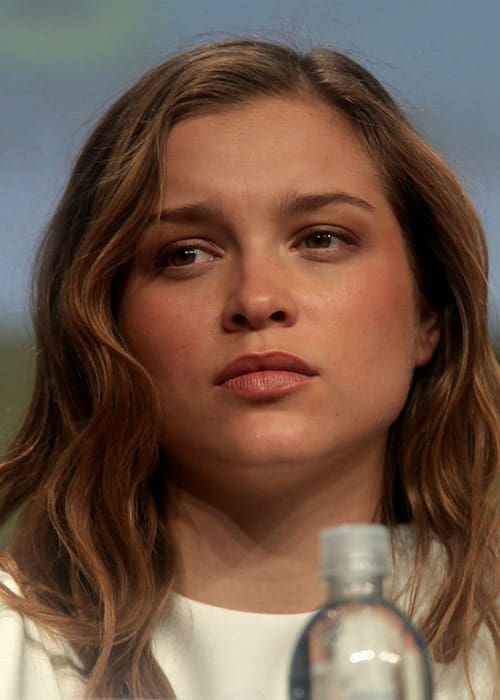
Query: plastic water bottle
(359, 646)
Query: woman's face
(273, 305)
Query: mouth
(265, 376)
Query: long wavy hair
(83, 471)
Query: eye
(325, 243)
(181, 255)
(321, 239)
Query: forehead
(264, 146)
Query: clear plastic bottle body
(360, 647)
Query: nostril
(258, 318)
(239, 319)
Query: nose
(259, 297)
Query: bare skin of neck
(251, 543)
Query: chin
(273, 451)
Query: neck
(252, 545)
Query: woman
(260, 311)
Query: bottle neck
(349, 586)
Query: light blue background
(63, 61)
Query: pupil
(320, 240)
(184, 256)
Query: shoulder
(8, 581)
(33, 662)
(451, 682)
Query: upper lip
(260, 362)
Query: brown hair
(94, 508)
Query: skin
(254, 481)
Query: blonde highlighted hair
(84, 467)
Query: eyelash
(163, 259)
(340, 237)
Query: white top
(208, 653)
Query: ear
(427, 339)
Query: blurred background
(62, 62)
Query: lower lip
(265, 385)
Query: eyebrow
(293, 203)
(297, 203)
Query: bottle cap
(358, 549)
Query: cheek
(390, 314)
(373, 329)
(374, 357)
(161, 333)
(374, 304)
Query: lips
(272, 362)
